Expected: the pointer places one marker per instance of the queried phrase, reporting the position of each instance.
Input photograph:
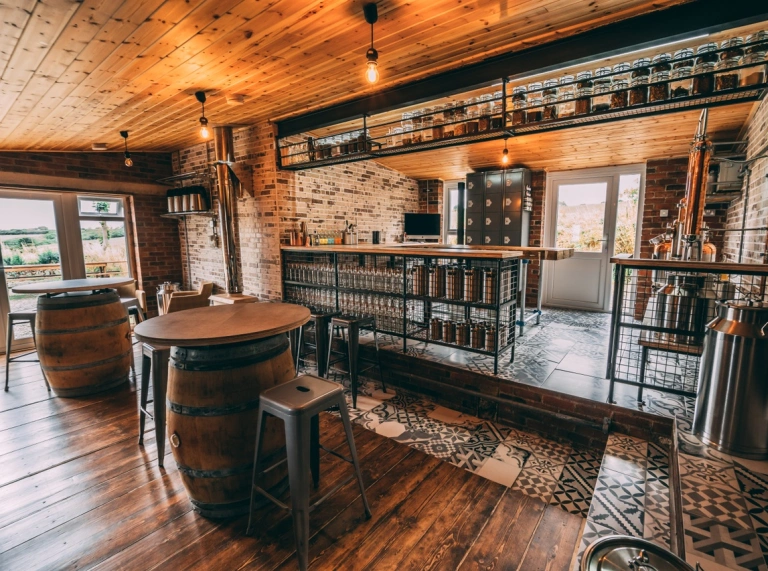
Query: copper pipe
(695, 185)
(224, 148)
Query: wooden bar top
(530, 252)
(431, 250)
(711, 267)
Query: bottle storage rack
(413, 297)
(373, 140)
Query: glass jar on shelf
(621, 72)
(473, 119)
(417, 125)
(335, 143)
(497, 121)
(437, 122)
(682, 71)
(535, 110)
(601, 89)
(704, 69)
(725, 76)
(397, 136)
(566, 106)
(755, 56)
(638, 81)
(427, 124)
(584, 88)
(519, 102)
(550, 99)
(460, 119)
(484, 112)
(407, 125)
(449, 117)
(660, 70)
(619, 93)
(363, 141)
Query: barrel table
(222, 358)
(82, 333)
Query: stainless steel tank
(624, 553)
(682, 304)
(732, 402)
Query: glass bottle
(417, 125)
(638, 82)
(704, 69)
(437, 122)
(460, 118)
(519, 101)
(754, 55)
(535, 110)
(427, 124)
(484, 113)
(566, 106)
(449, 116)
(601, 89)
(660, 68)
(497, 121)
(725, 76)
(682, 69)
(550, 99)
(407, 125)
(583, 92)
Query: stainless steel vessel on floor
(732, 402)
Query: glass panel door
(29, 244)
(103, 234)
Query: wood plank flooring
(77, 491)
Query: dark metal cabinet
(496, 215)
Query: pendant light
(505, 154)
(204, 133)
(126, 154)
(372, 67)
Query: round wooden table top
(65, 286)
(221, 324)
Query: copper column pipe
(224, 149)
(696, 185)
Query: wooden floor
(76, 491)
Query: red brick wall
(154, 241)
(536, 234)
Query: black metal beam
(670, 25)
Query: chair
(181, 300)
(15, 317)
(297, 403)
(353, 325)
(134, 301)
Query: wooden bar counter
(222, 357)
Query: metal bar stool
(354, 325)
(155, 363)
(321, 322)
(297, 403)
(15, 317)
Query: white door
(595, 212)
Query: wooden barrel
(213, 397)
(84, 342)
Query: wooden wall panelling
(273, 53)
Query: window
(102, 231)
(451, 211)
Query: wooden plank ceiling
(617, 143)
(74, 72)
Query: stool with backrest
(353, 325)
(297, 403)
(154, 364)
(15, 317)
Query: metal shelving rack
(374, 143)
(320, 280)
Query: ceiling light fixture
(204, 133)
(505, 154)
(126, 154)
(372, 67)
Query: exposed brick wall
(757, 207)
(366, 193)
(536, 234)
(154, 241)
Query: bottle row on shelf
(387, 280)
(475, 334)
(691, 71)
(459, 283)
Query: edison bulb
(128, 161)
(372, 72)
(505, 156)
(204, 132)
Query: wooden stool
(297, 403)
(155, 363)
(20, 317)
(353, 325)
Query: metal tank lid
(750, 313)
(624, 553)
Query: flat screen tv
(422, 225)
